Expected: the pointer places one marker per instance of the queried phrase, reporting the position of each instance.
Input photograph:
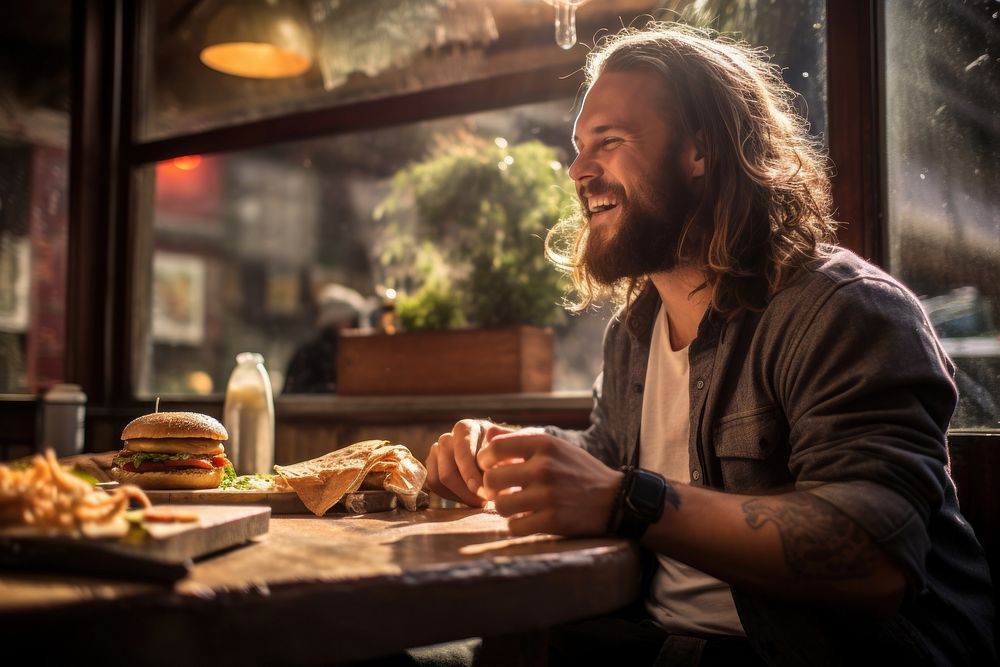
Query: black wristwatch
(639, 504)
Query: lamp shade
(263, 39)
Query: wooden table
(328, 590)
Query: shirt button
(696, 474)
(637, 387)
(700, 384)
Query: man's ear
(695, 156)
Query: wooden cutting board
(218, 527)
(284, 502)
(153, 551)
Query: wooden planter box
(467, 361)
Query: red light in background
(187, 163)
(190, 188)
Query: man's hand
(452, 471)
(547, 485)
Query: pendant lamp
(259, 39)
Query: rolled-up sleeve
(868, 393)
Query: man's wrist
(614, 518)
(639, 502)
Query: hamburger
(172, 450)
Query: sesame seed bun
(175, 425)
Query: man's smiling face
(633, 174)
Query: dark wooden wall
(975, 460)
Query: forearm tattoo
(818, 539)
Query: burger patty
(148, 462)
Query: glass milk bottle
(249, 416)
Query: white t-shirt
(683, 599)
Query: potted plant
(463, 248)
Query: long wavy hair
(765, 208)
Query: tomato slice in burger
(189, 463)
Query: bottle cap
(65, 393)
(249, 358)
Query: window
(34, 161)
(942, 102)
(235, 245)
(244, 242)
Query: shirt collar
(640, 316)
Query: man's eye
(610, 142)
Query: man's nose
(583, 169)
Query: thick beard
(645, 238)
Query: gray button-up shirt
(839, 387)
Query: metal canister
(64, 409)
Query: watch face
(646, 494)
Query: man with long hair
(770, 419)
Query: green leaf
(87, 477)
(139, 458)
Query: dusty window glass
(239, 247)
(942, 105)
(34, 163)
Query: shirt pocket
(749, 446)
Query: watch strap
(639, 503)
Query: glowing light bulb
(187, 162)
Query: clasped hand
(541, 483)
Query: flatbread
(321, 482)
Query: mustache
(597, 187)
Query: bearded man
(770, 419)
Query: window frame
(850, 124)
(107, 376)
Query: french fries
(46, 499)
